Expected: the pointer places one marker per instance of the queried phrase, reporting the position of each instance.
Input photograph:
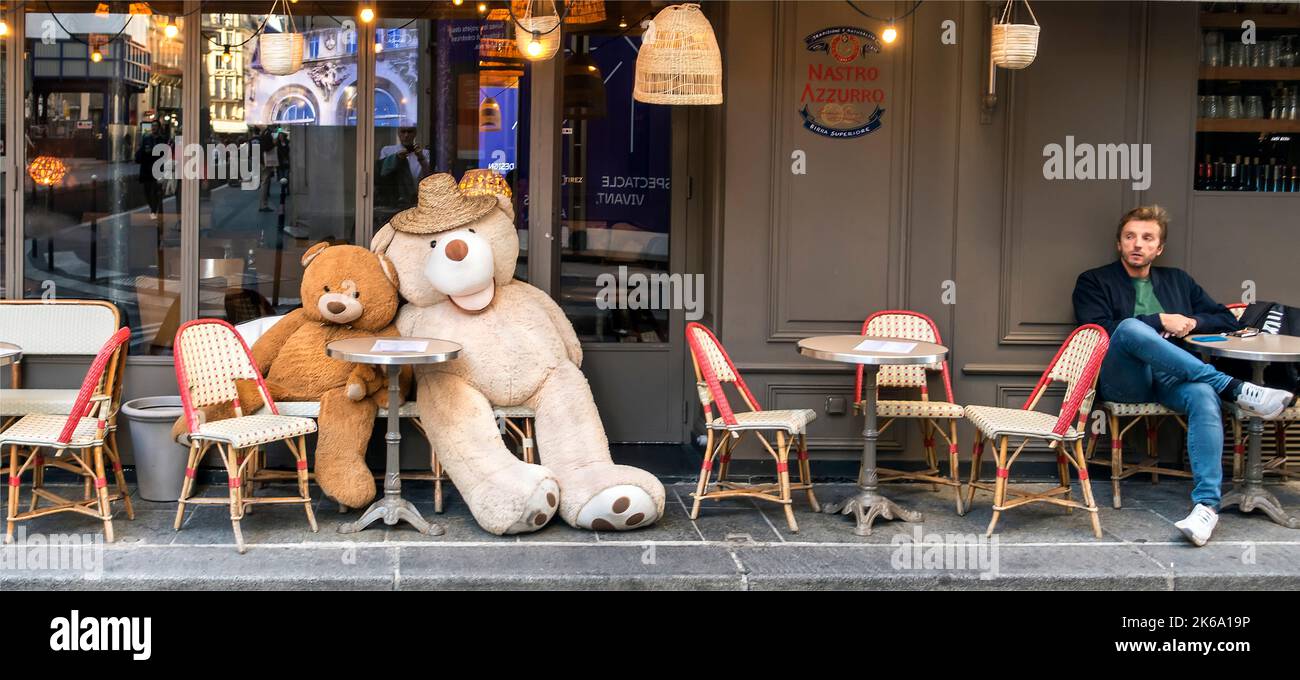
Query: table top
(1262, 347)
(843, 348)
(9, 353)
(362, 351)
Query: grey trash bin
(159, 460)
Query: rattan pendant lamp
(537, 30)
(281, 53)
(679, 61)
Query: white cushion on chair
(918, 409)
(995, 422)
(253, 430)
(23, 402)
(794, 421)
(40, 429)
(1123, 410)
(311, 409)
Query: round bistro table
(1260, 350)
(867, 503)
(392, 507)
(10, 353)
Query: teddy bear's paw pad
(618, 508)
(539, 508)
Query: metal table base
(1250, 494)
(866, 504)
(392, 508)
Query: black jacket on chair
(1105, 296)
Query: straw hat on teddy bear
(441, 207)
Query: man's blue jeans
(1143, 367)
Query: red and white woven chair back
(41, 327)
(1077, 364)
(210, 357)
(93, 385)
(907, 325)
(715, 368)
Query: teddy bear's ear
(380, 241)
(389, 270)
(313, 251)
(506, 204)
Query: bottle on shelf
(1245, 182)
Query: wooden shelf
(1248, 73)
(1247, 125)
(1227, 20)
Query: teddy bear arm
(267, 347)
(572, 347)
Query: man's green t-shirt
(1146, 298)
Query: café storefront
(842, 175)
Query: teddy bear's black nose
(335, 307)
(457, 250)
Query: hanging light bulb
(4, 27)
(96, 56)
(535, 45)
(890, 34)
(458, 3)
(170, 29)
(622, 22)
(482, 8)
(226, 56)
(537, 34)
(379, 47)
(367, 14)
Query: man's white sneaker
(1198, 525)
(1263, 402)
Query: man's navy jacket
(1105, 296)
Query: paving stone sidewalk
(734, 545)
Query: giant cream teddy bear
(455, 259)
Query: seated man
(1145, 309)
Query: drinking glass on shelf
(1212, 106)
(1255, 55)
(1232, 106)
(1271, 49)
(1286, 50)
(1237, 54)
(1254, 106)
(1212, 49)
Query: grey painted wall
(937, 195)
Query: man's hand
(1177, 325)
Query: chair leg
(927, 440)
(187, 486)
(805, 473)
(1063, 471)
(954, 467)
(783, 475)
(14, 484)
(304, 491)
(1116, 460)
(119, 477)
(437, 479)
(976, 453)
(530, 445)
(706, 469)
(1153, 454)
(101, 489)
(1000, 486)
(38, 478)
(725, 463)
(1238, 448)
(1087, 489)
(235, 485)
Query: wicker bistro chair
(713, 368)
(210, 357)
(81, 435)
(1077, 364)
(1152, 415)
(40, 327)
(930, 416)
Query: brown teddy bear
(347, 292)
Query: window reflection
(102, 116)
